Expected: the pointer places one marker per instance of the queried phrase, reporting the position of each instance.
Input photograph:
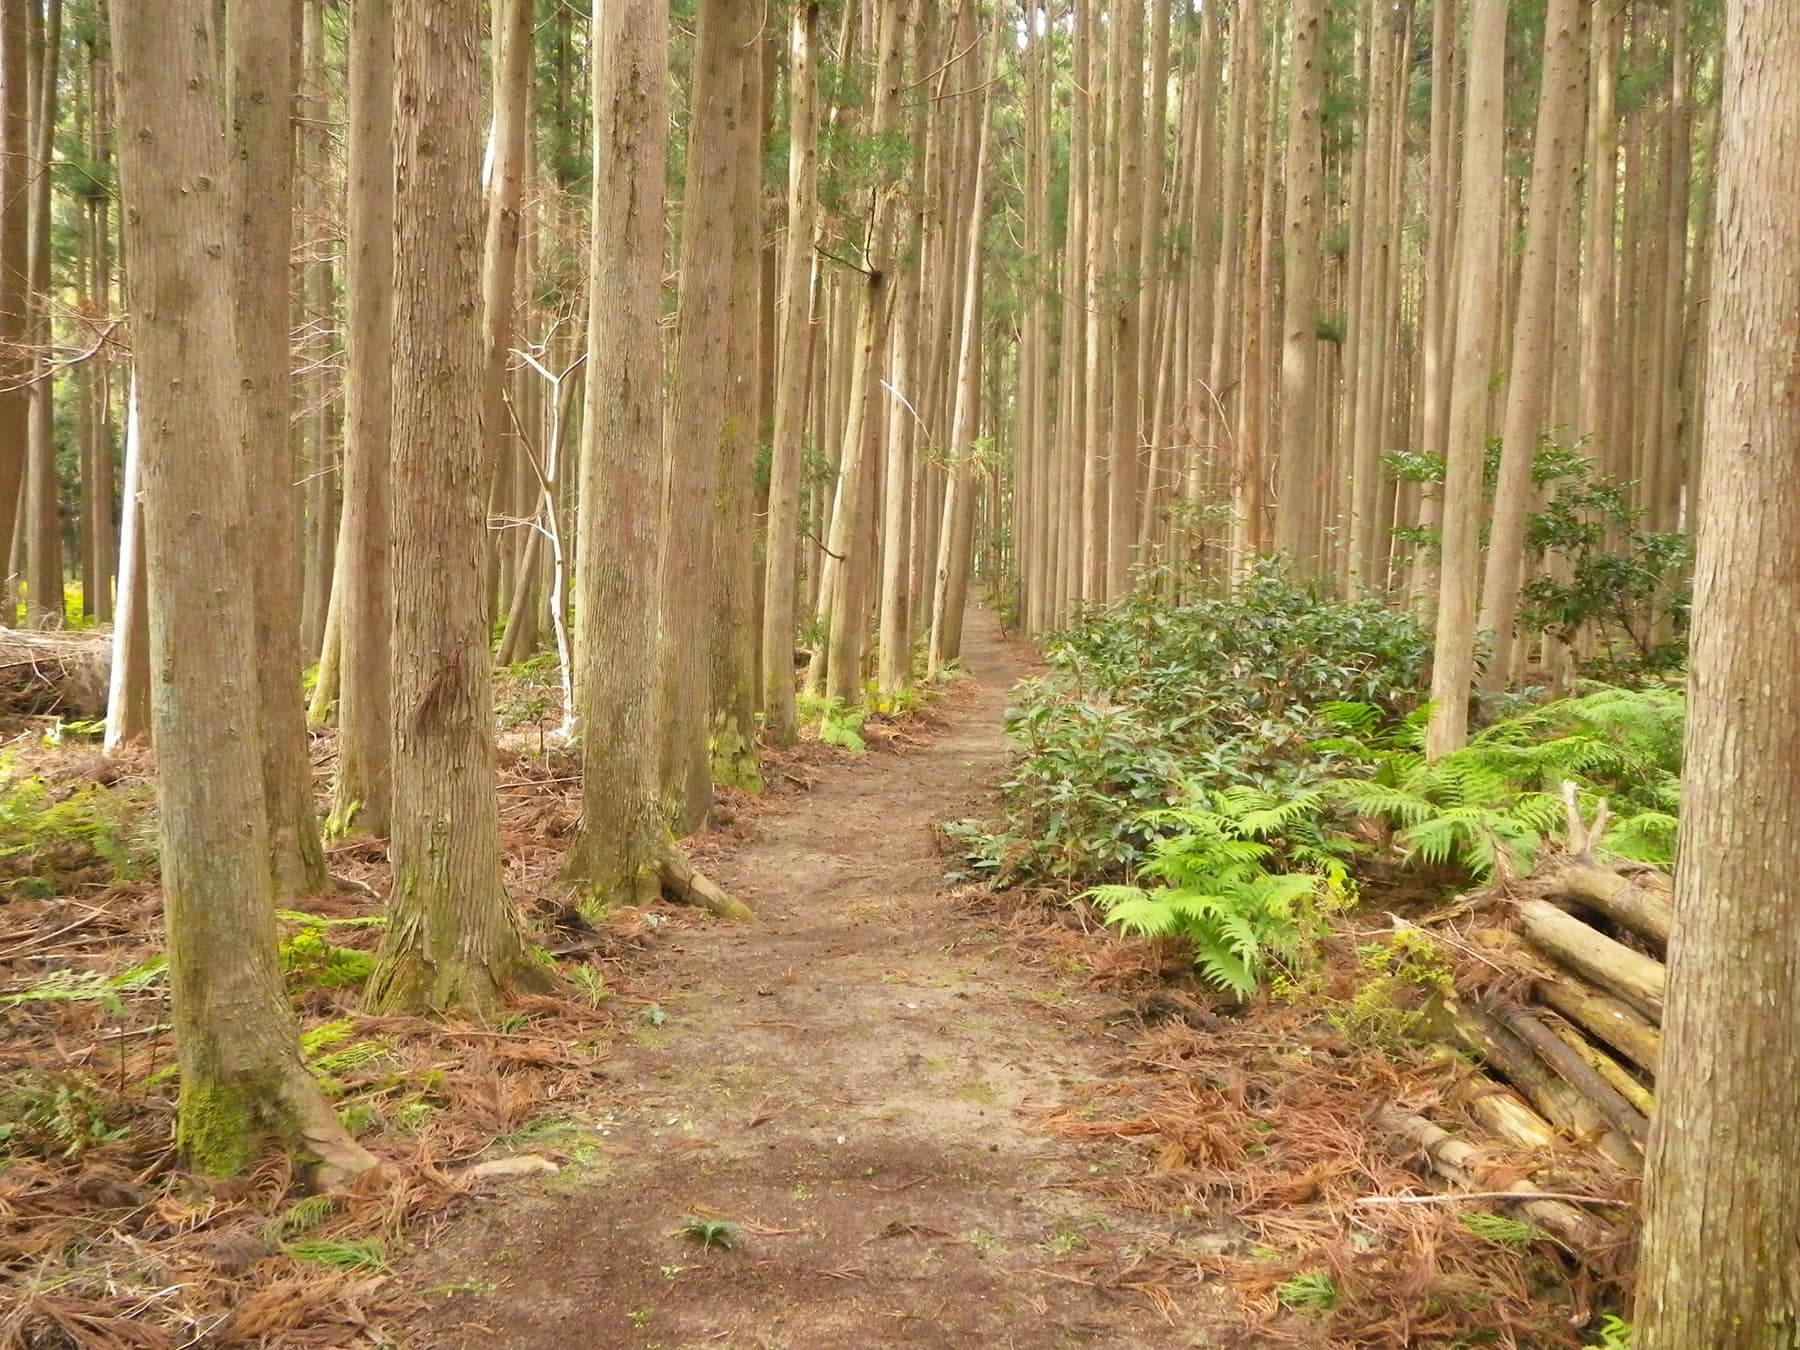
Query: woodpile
(1560, 1003)
(54, 674)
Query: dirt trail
(851, 1080)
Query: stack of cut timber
(1569, 1035)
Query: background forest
(406, 402)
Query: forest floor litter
(893, 1109)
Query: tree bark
(513, 50)
(453, 942)
(15, 269)
(733, 618)
(261, 94)
(1453, 665)
(702, 352)
(242, 1077)
(364, 784)
(1528, 379)
(1723, 1185)
(44, 565)
(619, 853)
(1296, 524)
(794, 369)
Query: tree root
(682, 882)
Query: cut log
(1460, 1162)
(681, 882)
(61, 674)
(1642, 902)
(1634, 977)
(1616, 1075)
(1575, 1070)
(1505, 1113)
(1604, 1018)
(1554, 1099)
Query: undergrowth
(1216, 770)
(52, 834)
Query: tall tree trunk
(733, 618)
(702, 352)
(1723, 1177)
(15, 265)
(1127, 50)
(950, 591)
(619, 852)
(1478, 282)
(242, 1077)
(845, 575)
(513, 49)
(261, 93)
(43, 568)
(1247, 464)
(1528, 379)
(128, 687)
(1435, 337)
(793, 376)
(364, 784)
(318, 322)
(1296, 524)
(1599, 239)
(453, 942)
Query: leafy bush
(1153, 698)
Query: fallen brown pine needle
(1452, 1197)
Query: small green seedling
(709, 1232)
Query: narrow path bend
(851, 1080)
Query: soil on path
(852, 1081)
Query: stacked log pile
(1560, 999)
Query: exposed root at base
(680, 881)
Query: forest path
(852, 1080)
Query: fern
(1489, 807)
(1217, 890)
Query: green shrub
(1153, 697)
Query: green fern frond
(1381, 801)
(1135, 911)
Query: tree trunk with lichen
(242, 1077)
(453, 943)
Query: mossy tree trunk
(242, 1077)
